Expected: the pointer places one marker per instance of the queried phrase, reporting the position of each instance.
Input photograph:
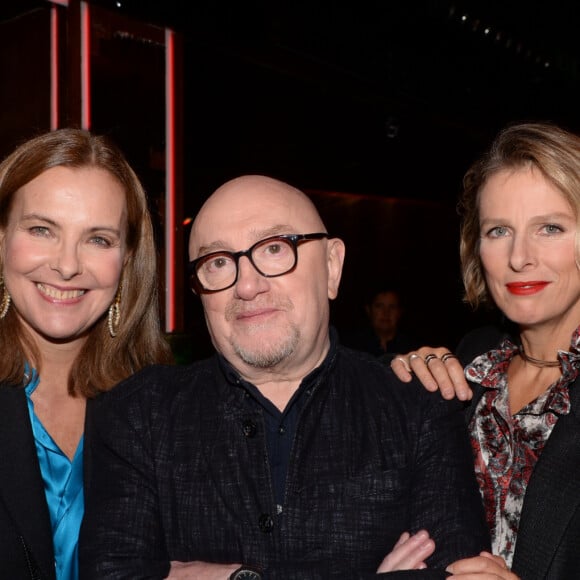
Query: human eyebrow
(38, 217)
(257, 235)
(555, 217)
(109, 229)
(217, 246)
(275, 230)
(491, 222)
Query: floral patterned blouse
(505, 446)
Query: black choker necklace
(538, 362)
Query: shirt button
(249, 428)
(281, 430)
(266, 523)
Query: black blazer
(548, 544)
(25, 532)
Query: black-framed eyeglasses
(271, 257)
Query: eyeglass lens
(271, 257)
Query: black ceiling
(392, 97)
(389, 97)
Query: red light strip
(170, 322)
(85, 66)
(53, 68)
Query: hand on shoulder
(437, 368)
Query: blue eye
(39, 230)
(100, 241)
(497, 232)
(553, 229)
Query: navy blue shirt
(280, 426)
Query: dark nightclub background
(376, 108)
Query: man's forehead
(247, 210)
(252, 214)
(251, 202)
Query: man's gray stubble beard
(271, 355)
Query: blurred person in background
(381, 336)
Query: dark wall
(25, 73)
(409, 244)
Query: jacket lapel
(551, 497)
(21, 485)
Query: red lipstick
(526, 288)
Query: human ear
(335, 260)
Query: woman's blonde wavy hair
(542, 146)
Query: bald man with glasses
(285, 455)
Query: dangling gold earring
(115, 313)
(5, 304)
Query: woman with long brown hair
(78, 313)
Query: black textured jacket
(175, 474)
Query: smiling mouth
(526, 288)
(57, 294)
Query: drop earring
(5, 303)
(115, 314)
